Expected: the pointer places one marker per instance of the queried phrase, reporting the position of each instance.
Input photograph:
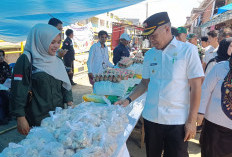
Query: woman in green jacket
(50, 84)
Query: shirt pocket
(154, 70)
(176, 69)
(98, 57)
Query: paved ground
(133, 144)
(83, 87)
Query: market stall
(94, 128)
(61, 135)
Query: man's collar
(122, 44)
(69, 39)
(59, 57)
(174, 42)
(99, 44)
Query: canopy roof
(18, 16)
(224, 8)
(219, 19)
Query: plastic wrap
(110, 88)
(86, 130)
(137, 68)
(94, 98)
(13, 150)
(52, 149)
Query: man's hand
(190, 130)
(195, 97)
(23, 126)
(70, 72)
(124, 102)
(90, 75)
(91, 79)
(200, 118)
(138, 91)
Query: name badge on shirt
(104, 66)
(153, 64)
(174, 57)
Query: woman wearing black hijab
(221, 55)
(216, 106)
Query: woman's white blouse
(211, 95)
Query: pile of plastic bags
(88, 130)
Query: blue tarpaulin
(224, 8)
(18, 16)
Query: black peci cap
(154, 21)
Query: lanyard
(104, 66)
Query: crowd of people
(188, 83)
(187, 79)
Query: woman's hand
(70, 103)
(23, 126)
(62, 52)
(90, 75)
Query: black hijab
(221, 52)
(226, 91)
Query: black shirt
(119, 52)
(5, 72)
(70, 55)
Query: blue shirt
(119, 52)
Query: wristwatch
(129, 99)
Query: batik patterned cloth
(5, 72)
(226, 90)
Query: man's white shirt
(210, 53)
(98, 59)
(168, 96)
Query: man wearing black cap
(170, 69)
